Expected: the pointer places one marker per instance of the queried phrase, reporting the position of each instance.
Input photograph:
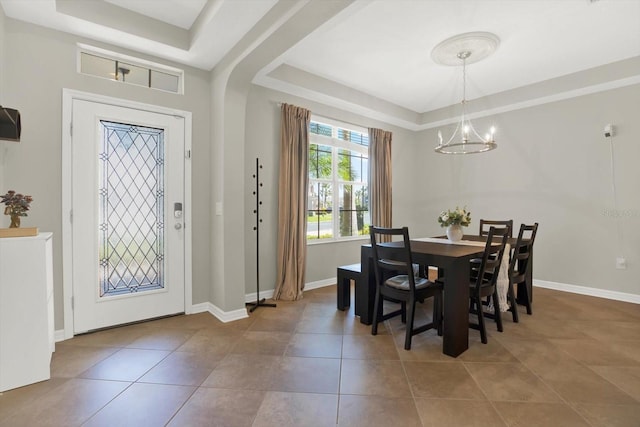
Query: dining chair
(482, 286)
(486, 223)
(519, 266)
(398, 280)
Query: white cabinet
(26, 310)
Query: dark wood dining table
(452, 261)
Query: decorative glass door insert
(130, 209)
(128, 245)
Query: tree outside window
(338, 165)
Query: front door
(127, 225)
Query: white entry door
(127, 215)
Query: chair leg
(529, 311)
(481, 325)
(403, 313)
(377, 309)
(496, 310)
(411, 310)
(514, 304)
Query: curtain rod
(279, 104)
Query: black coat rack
(259, 302)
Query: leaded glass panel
(131, 209)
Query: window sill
(314, 242)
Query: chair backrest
(486, 223)
(521, 252)
(492, 257)
(392, 258)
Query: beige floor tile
(142, 405)
(535, 353)
(192, 321)
(353, 326)
(297, 409)
(274, 325)
(182, 368)
(457, 413)
(321, 325)
(306, 375)
(375, 411)
(262, 342)
(492, 351)
(627, 378)
(315, 310)
(243, 371)
(210, 343)
(71, 360)
(70, 404)
(315, 345)
(374, 378)
(127, 364)
(549, 327)
(116, 337)
(369, 347)
(630, 349)
(593, 352)
(510, 382)
(441, 380)
(162, 339)
(308, 357)
(219, 407)
(426, 346)
(577, 383)
(600, 415)
(535, 414)
(13, 401)
(609, 330)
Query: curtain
(380, 177)
(292, 202)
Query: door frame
(68, 96)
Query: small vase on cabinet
(454, 232)
(15, 221)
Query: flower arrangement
(17, 205)
(456, 217)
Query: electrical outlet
(621, 263)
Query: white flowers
(457, 216)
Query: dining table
(452, 260)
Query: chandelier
(465, 48)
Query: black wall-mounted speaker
(10, 126)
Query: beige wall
(552, 166)
(263, 141)
(38, 64)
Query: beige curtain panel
(380, 177)
(292, 202)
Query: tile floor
(575, 362)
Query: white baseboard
(586, 290)
(252, 297)
(59, 335)
(268, 294)
(320, 284)
(221, 315)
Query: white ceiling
(381, 48)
